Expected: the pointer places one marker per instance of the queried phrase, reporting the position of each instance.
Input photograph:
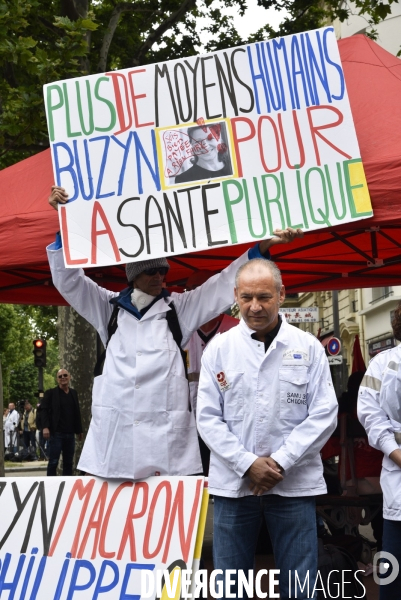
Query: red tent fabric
(362, 254)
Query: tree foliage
(43, 321)
(23, 383)
(15, 338)
(303, 15)
(48, 40)
(19, 325)
(37, 45)
(15, 334)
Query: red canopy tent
(365, 253)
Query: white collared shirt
(280, 403)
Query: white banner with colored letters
(90, 538)
(206, 151)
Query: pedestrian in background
(61, 421)
(11, 429)
(29, 428)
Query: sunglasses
(60, 376)
(162, 270)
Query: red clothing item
(368, 460)
(331, 448)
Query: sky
(255, 17)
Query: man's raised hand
(58, 196)
(281, 236)
(284, 236)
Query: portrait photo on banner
(198, 152)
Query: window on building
(353, 301)
(379, 293)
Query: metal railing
(385, 295)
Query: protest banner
(63, 538)
(207, 151)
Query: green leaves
(19, 326)
(15, 334)
(88, 25)
(23, 383)
(36, 47)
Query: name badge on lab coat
(224, 385)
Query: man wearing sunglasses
(142, 423)
(61, 419)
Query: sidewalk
(35, 468)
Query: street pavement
(27, 469)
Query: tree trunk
(77, 338)
(77, 354)
(74, 10)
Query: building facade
(363, 312)
(388, 31)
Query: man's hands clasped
(264, 474)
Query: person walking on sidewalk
(61, 420)
(29, 428)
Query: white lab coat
(10, 429)
(280, 403)
(195, 350)
(141, 423)
(379, 411)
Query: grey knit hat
(134, 269)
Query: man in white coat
(379, 411)
(142, 423)
(11, 429)
(266, 406)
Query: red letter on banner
(98, 210)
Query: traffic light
(39, 353)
